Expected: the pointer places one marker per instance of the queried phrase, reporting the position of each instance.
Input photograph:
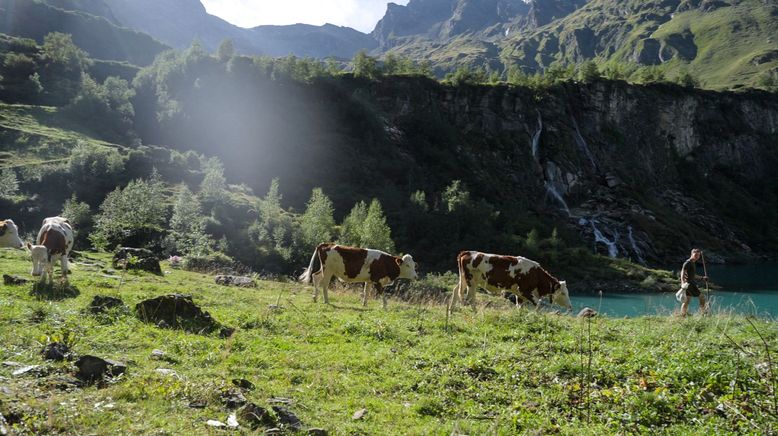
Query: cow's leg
(63, 264)
(364, 294)
(325, 284)
(380, 290)
(471, 294)
(454, 298)
(316, 279)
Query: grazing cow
(518, 275)
(9, 235)
(357, 265)
(55, 240)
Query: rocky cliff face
(639, 172)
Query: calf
(55, 240)
(9, 235)
(518, 275)
(357, 265)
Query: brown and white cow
(55, 240)
(494, 273)
(357, 265)
(9, 235)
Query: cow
(518, 275)
(357, 265)
(9, 235)
(55, 240)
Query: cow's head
(40, 259)
(9, 235)
(561, 296)
(407, 268)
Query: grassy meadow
(496, 371)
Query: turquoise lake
(744, 289)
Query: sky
(359, 14)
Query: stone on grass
(55, 351)
(254, 416)
(243, 383)
(14, 280)
(233, 398)
(104, 303)
(287, 418)
(359, 414)
(178, 311)
(587, 312)
(239, 281)
(139, 259)
(93, 368)
(317, 432)
(26, 369)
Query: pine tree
(317, 222)
(376, 233)
(351, 229)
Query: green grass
(34, 135)
(498, 371)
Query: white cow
(9, 235)
(55, 240)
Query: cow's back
(56, 236)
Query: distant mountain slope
(99, 37)
(179, 22)
(725, 43)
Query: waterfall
(613, 249)
(550, 190)
(638, 253)
(536, 137)
(582, 143)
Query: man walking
(688, 276)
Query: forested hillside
(558, 171)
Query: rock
(167, 371)
(66, 383)
(14, 280)
(233, 398)
(317, 432)
(239, 281)
(274, 430)
(215, 423)
(25, 369)
(103, 303)
(359, 414)
(198, 404)
(92, 368)
(157, 354)
(287, 418)
(226, 332)
(55, 351)
(243, 384)
(587, 312)
(140, 259)
(232, 421)
(178, 311)
(254, 416)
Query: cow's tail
(462, 283)
(306, 276)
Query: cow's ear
(3, 226)
(398, 261)
(29, 246)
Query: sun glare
(359, 14)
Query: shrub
(9, 184)
(133, 216)
(80, 216)
(187, 226)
